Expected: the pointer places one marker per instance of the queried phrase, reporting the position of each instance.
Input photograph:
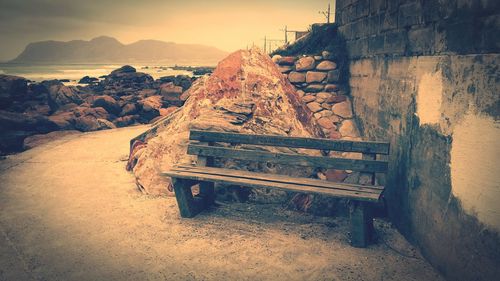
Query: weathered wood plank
(280, 178)
(289, 159)
(297, 142)
(362, 196)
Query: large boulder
(15, 127)
(11, 88)
(108, 103)
(246, 93)
(126, 77)
(60, 95)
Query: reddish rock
(343, 109)
(170, 92)
(305, 63)
(286, 60)
(335, 175)
(125, 120)
(336, 99)
(315, 76)
(297, 77)
(285, 68)
(308, 98)
(108, 103)
(246, 93)
(128, 109)
(314, 88)
(168, 111)
(331, 88)
(326, 65)
(60, 95)
(314, 106)
(335, 135)
(325, 123)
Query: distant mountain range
(109, 50)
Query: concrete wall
(425, 75)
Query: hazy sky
(226, 24)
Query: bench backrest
(203, 147)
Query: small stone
(335, 119)
(318, 57)
(326, 113)
(335, 175)
(343, 109)
(314, 88)
(314, 106)
(296, 77)
(324, 95)
(276, 58)
(335, 135)
(315, 76)
(325, 123)
(305, 63)
(326, 54)
(333, 76)
(326, 65)
(325, 106)
(284, 68)
(321, 176)
(348, 129)
(300, 93)
(168, 110)
(286, 60)
(319, 100)
(331, 88)
(308, 98)
(336, 99)
(317, 115)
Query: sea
(74, 72)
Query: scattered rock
(108, 103)
(308, 98)
(88, 80)
(325, 123)
(60, 95)
(336, 99)
(128, 109)
(335, 175)
(11, 88)
(170, 92)
(168, 111)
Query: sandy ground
(70, 211)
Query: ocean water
(74, 72)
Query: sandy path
(69, 211)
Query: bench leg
(207, 192)
(188, 205)
(361, 224)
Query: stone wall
(317, 80)
(424, 75)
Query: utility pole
(265, 44)
(326, 13)
(286, 33)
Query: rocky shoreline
(125, 97)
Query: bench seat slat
(261, 183)
(289, 159)
(376, 189)
(297, 142)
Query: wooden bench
(202, 144)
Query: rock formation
(246, 93)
